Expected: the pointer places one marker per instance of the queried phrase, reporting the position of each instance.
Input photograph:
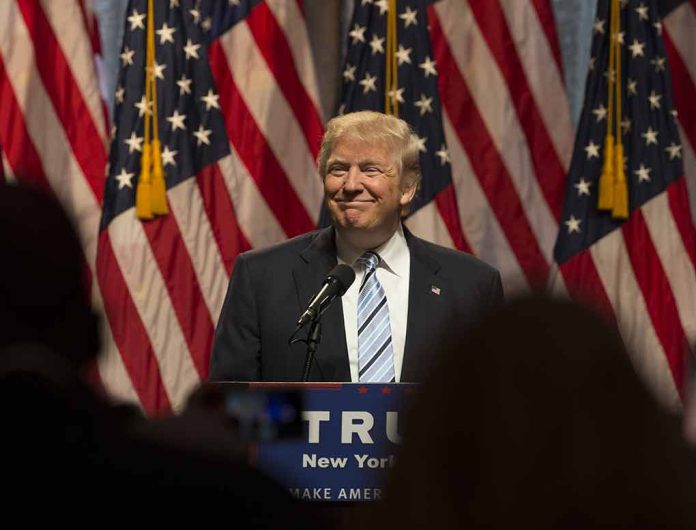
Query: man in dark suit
(407, 293)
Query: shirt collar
(393, 252)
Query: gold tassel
(606, 180)
(620, 207)
(159, 188)
(143, 194)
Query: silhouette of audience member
(61, 445)
(537, 420)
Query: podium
(350, 435)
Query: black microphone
(336, 284)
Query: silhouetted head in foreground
(538, 420)
(43, 294)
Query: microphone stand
(313, 339)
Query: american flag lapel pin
(435, 289)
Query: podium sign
(351, 433)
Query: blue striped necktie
(375, 354)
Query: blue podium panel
(351, 432)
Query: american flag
(240, 128)
(53, 126)
(641, 268)
(505, 117)
(508, 129)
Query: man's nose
(353, 182)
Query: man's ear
(408, 192)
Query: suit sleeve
(237, 348)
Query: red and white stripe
(52, 124)
(508, 129)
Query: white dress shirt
(393, 273)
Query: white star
(637, 48)
(120, 94)
(207, 24)
(377, 44)
(234, 2)
(184, 85)
(211, 100)
(143, 106)
(202, 135)
(173, 3)
(658, 27)
(136, 20)
(168, 156)
(573, 224)
(135, 143)
(428, 67)
(424, 104)
(403, 55)
(654, 100)
(177, 120)
(674, 151)
(125, 179)
(191, 49)
(357, 33)
(626, 125)
(157, 70)
(443, 155)
(623, 3)
(365, 2)
(613, 75)
(195, 14)
(591, 63)
(368, 83)
(583, 187)
(127, 56)
(650, 136)
(409, 17)
(600, 112)
(642, 11)
(658, 63)
(632, 87)
(349, 73)
(592, 150)
(620, 37)
(398, 94)
(166, 34)
(599, 25)
(421, 144)
(383, 6)
(643, 173)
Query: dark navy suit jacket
(271, 287)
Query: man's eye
(334, 170)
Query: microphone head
(344, 276)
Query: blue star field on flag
(223, 14)
(364, 82)
(191, 125)
(653, 157)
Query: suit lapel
(424, 308)
(309, 272)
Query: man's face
(363, 188)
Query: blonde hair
(374, 127)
